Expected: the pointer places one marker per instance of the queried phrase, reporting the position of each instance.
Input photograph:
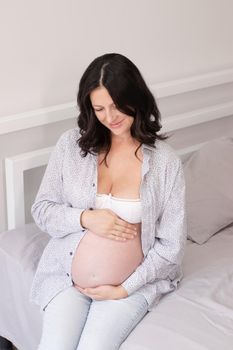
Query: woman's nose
(110, 115)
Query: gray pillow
(209, 189)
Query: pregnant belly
(99, 260)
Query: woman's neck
(118, 142)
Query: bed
(196, 316)
(199, 314)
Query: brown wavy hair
(131, 96)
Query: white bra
(127, 209)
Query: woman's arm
(164, 258)
(49, 210)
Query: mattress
(20, 251)
(197, 316)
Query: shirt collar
(147, 147)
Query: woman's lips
(116, 125)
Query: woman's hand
(106, 223)
(104, 292)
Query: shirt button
(90, 208)
(71, 253)
(83, 230)
(93, 185)
(68, 274)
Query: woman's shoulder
(165, 162)
(69, 138)
(164, 153)
(70, 135)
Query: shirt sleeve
(165, 257)
(50, 212)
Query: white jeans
(73, 321)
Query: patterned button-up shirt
(69, 187)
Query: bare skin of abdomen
(99, 260)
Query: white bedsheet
(20, 250)
(198, 316)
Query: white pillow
(209, 189)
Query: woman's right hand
(106, 223)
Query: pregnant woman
(113, 201)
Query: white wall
(46, 44)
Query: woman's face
(107, 113)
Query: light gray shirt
(69, 187)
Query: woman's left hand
(104, 292)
